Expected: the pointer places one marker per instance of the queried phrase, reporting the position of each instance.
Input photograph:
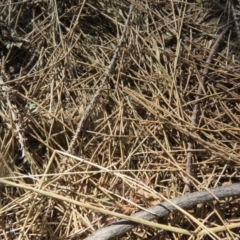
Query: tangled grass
(102, 117)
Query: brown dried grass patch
(141, 142)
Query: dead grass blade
(117, 88)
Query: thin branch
(98, 92)
(187, 201)
(15, 120)
(196, 108)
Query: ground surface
(163, 119)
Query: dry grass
(164, 122)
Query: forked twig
(98, 92)
(187, 201)
(196, 107)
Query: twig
(196, 107)
(97, 93)
(14, 118)
(119, 228)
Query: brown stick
(15, 120)
(100, 88)
(119, 228)
(196, 107)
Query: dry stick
(14, 118)
(119, 228)
(235, 19)
(97, 93)
(196, 108)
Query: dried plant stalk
(196, 108)
(103, 82)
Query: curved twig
(119, 228)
